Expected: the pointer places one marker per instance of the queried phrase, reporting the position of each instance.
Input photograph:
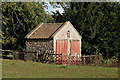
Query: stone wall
(33, 45)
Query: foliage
(112, 60)
(98, 23)
(19, 18)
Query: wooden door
(61, 51)
(75, 51)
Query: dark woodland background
(97, 23)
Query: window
(68, 34)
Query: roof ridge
(59, 28)
(40, 30)
(53, 23)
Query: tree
(98, 23)
(19, 18)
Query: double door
(67, 51)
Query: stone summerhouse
(62, 38)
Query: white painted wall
(62, 34)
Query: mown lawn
(21, 69)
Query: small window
(68, 33)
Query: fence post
(55, 58)
(80, 59)
(84, 59)
(25, 55)
(76, 59)
(99, 59)
(90, 59)
(37, 55)
(13, 55)
(18, 52)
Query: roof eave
(31, 32)
(37, 38)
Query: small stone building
(62, 38)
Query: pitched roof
(44, 30)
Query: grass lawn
(21, 69)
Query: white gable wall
(62, 34)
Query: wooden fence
(78, 60)
(50, 57)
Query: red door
(75, 51)
(61, 51)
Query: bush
(112, 62)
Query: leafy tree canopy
(98, 23)
(19, 18)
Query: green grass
(21, 69)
